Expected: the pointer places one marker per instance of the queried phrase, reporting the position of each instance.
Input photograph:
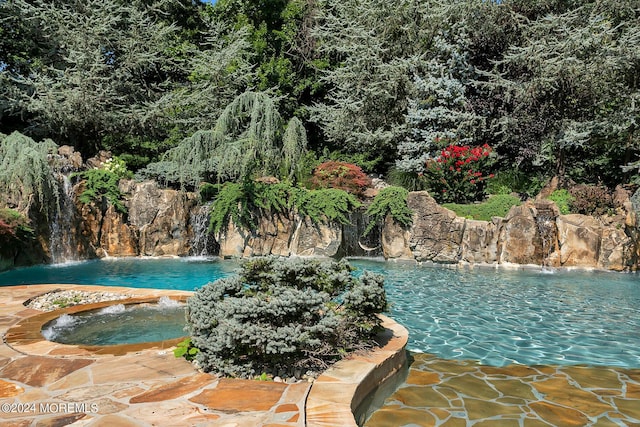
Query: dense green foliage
(245, 202)
(25, 172)
(563, 199)
(104, 182)
(515, 181)
(289, 315)
(497, 205)
(389, 201)
(583, 199)
(249, 138)
(332, 204)
(205, 92)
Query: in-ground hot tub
(27, 336)
(119, 324)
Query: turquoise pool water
(531, 317)
(165, 273)
(497, 317)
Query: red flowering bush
(458, 174)
(340, 175)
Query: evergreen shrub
(208, 191)
(412, 181)
(284, 315)
(330, 203)
(516, 181)
(103, 182)
(244, 202)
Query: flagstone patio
(52, 384)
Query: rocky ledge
(59, 298)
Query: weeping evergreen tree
(249, 137)
(26, 176)
(294, 147)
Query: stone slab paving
(460, 393)
(48, 384)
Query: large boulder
(161, 216)
(106, 231)
(519, 237)
(311, 239)
(272, 237)
(117, 238)
(233, 241)
(436, 233)
(480, 241)
(579, 240)
(395, 240)
(616, 249)
(69, 160)
(279, 235)
(586, 241)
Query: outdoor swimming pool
(497, 317)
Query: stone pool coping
(338, 392)
(144, 384)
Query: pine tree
(107, 60)
(568, 89)
(440, 111)
(375, 48)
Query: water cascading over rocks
(62, 240)
(354, 243)
(203, 243)
(547, 229)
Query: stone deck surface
(48, 384)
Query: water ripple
(528, 317)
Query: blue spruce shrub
(284, 315)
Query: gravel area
(55, 300)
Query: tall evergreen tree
(375, 49)
(439, 113)
(109, 60)
(568, 91)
